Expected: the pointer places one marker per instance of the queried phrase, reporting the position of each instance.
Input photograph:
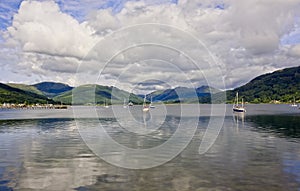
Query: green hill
(52, 89)
(28, 88)
(183, 94)
(282, 85)
(98, 94)
(10, 94)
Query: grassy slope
(96, 93)
(28, 88)
(10, 94)
(52, 89)
(281, 85)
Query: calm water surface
(42, 150)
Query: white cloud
(103, 21)
(294, 50)
(41, 27)
(245, 36)
(262, 23)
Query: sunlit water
(256, 151)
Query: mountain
(281, 85)
(183, 94)
(10, 94)
(52, 89)
(25, 87)
(91, 93)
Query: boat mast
(144, 101)
(237, 98)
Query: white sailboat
(151, 104)
(236, 107)
(130, 104)
(105, 104)
(145, 106)
(294, 104)
(124, 104)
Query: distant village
(32, 106)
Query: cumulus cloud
(295, 50)
(41, 27)
(245, 37)
(256, 29)
(262, 24)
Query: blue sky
(294, 36)
(7, 10)
(72, 7)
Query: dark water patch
(111, 178)
(4, 188)
(81, 188)
(281, 125)
(29, 123)
(4, 182)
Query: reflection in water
(283, 125)
(48, 154)
(239, 119)
(135, 140)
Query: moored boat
(294, 103)
(145, 106)
(236, 107)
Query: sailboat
(145, 106)
(294, 104)
(151, 104)
(124, 104)
(105, 104)
(130, 104)
(236, 107)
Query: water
(42, 150)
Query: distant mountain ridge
(282, 85)
(25, 87)
(48, 89)
(9, 94)
(182, 94)
(52, 89)
(93, 93)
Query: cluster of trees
(14, 95)
(282, 85)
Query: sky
(147, 45)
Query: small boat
(60, 107)
(124, 104)
(130, 104)
(105, 104)
(145, 106)
(151, 104)
(236, 107)
(294, 104)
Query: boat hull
(145, 109)
(241, 110)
